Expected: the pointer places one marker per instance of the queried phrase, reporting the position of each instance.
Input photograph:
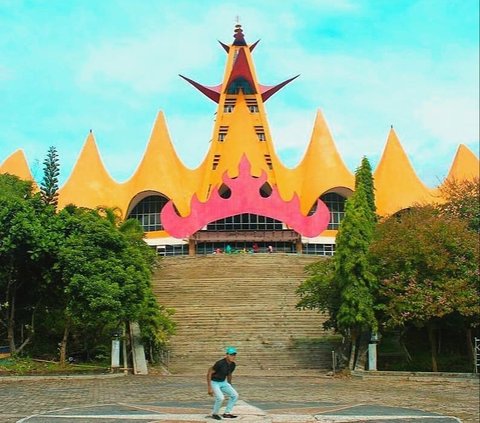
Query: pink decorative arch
(245, 198)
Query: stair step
(242, 300)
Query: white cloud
(141, 63)
(450, 119)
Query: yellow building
(242, 195)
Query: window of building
(172, 250)
(246, 222)
(260, 132)
(252, 104)
(336, 206)
(224, 191)
(244, 247)
(222, 133)
(265, 190)
(240, 84)
(147, 212)
(216, 161)
(319, 249)
(268, 160)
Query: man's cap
(231, 350)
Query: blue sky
(68, 66)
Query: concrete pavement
(275, 399)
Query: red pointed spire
(225, 47)
(254, 45)
(241, 69)
(268, 91)
(241, 75)
(213, 93)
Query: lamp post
(372, 351)
(115, 363)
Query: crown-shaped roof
(241, 134)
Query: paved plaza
(297, 398)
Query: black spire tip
(238, 36)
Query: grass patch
(16, 366)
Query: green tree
(156, 326)
(82, 273)
(90, 273)
(49, 184)
(364, 177)
(427, 265)
(154, 320)
(345, 285)
(25, 245)
(354, 276)
(462, 199)
(106, 277)
(12, 186)
(319, 292)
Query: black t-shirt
(221, 369)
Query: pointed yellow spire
(321, 168)
(90, 178)
(465, 165)
(17, 165)
(396, 183)
(241, 125)
(159, 156)
(162, 171)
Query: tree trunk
(363, 340)
(353, 350)
(470, 348)
(32, 332)
(433, 347)
(63, 344)
(124, 339)
(11, 321)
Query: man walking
(219, 379)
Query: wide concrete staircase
(244, 300)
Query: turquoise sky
(68, 66)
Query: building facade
(241, 196)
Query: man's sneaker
(229, 416)
(216, 417)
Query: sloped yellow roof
(465, 165)
(17, 165)
(321, 168)
(396, 184)
(89, 184)
(161, 171)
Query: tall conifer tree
(363, 176)
(51, 171)
(353, 277)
